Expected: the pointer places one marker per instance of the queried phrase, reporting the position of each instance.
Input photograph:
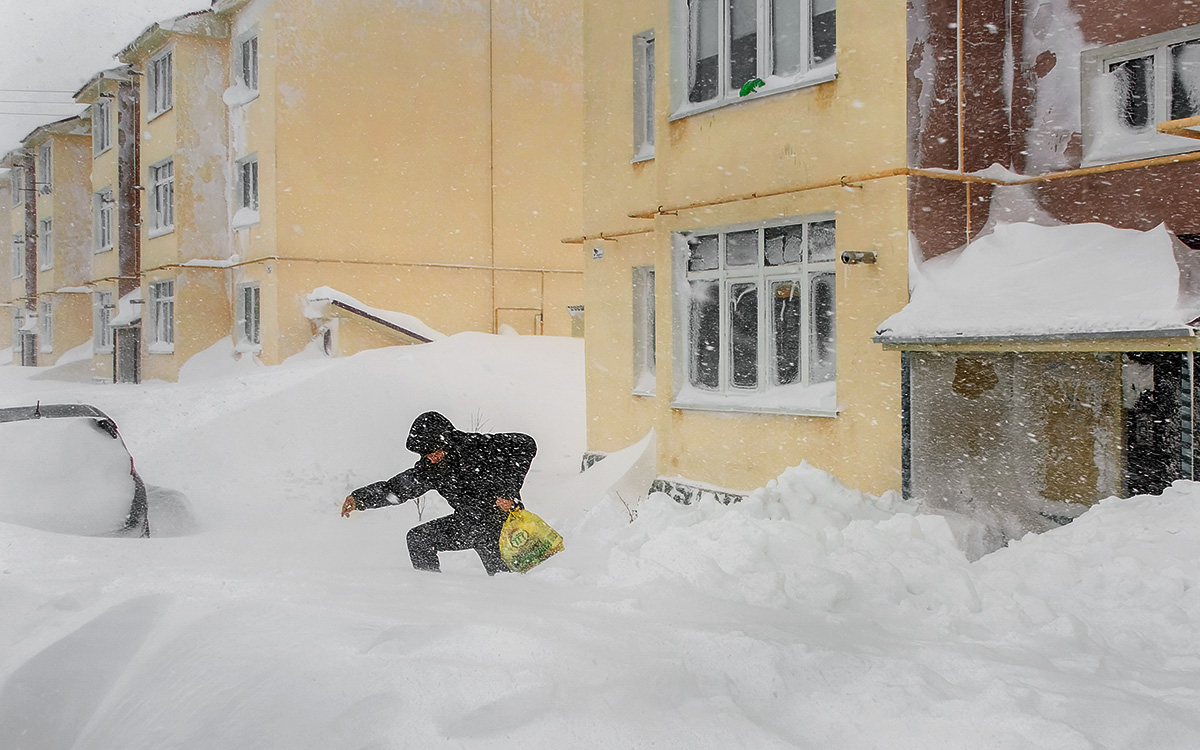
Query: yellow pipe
(603, 236)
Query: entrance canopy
(1032, 282)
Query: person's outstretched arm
(404, 486)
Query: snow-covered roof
(1024, 281)
(322, 297)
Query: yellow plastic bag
(527, 541)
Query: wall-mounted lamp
(854, 257)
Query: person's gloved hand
(348, 506)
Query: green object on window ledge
(754, 84)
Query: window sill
(99, 250)
(101, 152)
(151, 117)
(161, 348)
(46, 268)
(103, 350)
(1125, 147)
(239, 95)
(642, 156)
(774, 85)
(802, 401)
(160, 232)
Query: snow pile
(810, 615)
(1030, 280)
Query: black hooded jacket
(477, 468)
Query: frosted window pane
(741, 248)
(823, 351)
(705, 49)
(705, 334)
(1185, 80)
(743, 42)
(787, 29)
(783, 245)
(785, 321)
(820, 241)
(824, 30)
(702, 253)
(743, 335)
(1135, 89)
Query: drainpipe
(129, 218)
(30, 205)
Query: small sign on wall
(597, 253)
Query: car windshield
(65, 474)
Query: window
(643, 96)
(46, 326)
(101, 126)
(643, 331)
(162, 317)
(247, 62)
(1133, 86)
(162, 197)
(247, 184)
(737, 46)
(18, 320)
(760, 312)
(159, 84)
(18, 186)
(45, 245)
(44, 165)
(103, 220)
(18, 256)
(102, 333)
(249, 314)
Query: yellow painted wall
(194, 133)
(6, 313)
(852, 125)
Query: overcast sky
(48, 47)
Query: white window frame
(644, 338)
(246, 60)
(813, 390)
(162, 317)
(101, 126)
(160, 83)
(102, 220)
(684, 28)
(102, 313)
(246, 192)
(18, 322)
(162, 197)
(249, 315)
(18, 256)
(45, 169)
(46, 326)
(644, 54)
(18, 186)
(1107, 140)
(45, 244)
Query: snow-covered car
(65, 468)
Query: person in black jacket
(480, 476)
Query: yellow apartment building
(111, 101)
(8, 300)
(421, 159)
(21, 219)
(744, 233)
(61, 164)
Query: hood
(429, 432)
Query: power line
(37, 101)
(35, 114)
(40, 91)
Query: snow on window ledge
(799, 400)
(645, 153)
(645, 385)
(239, 95)
(825, 73)
(160, 231)
(161, 349)
(244, 218)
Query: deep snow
(809, 616)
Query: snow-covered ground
(809, 616)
